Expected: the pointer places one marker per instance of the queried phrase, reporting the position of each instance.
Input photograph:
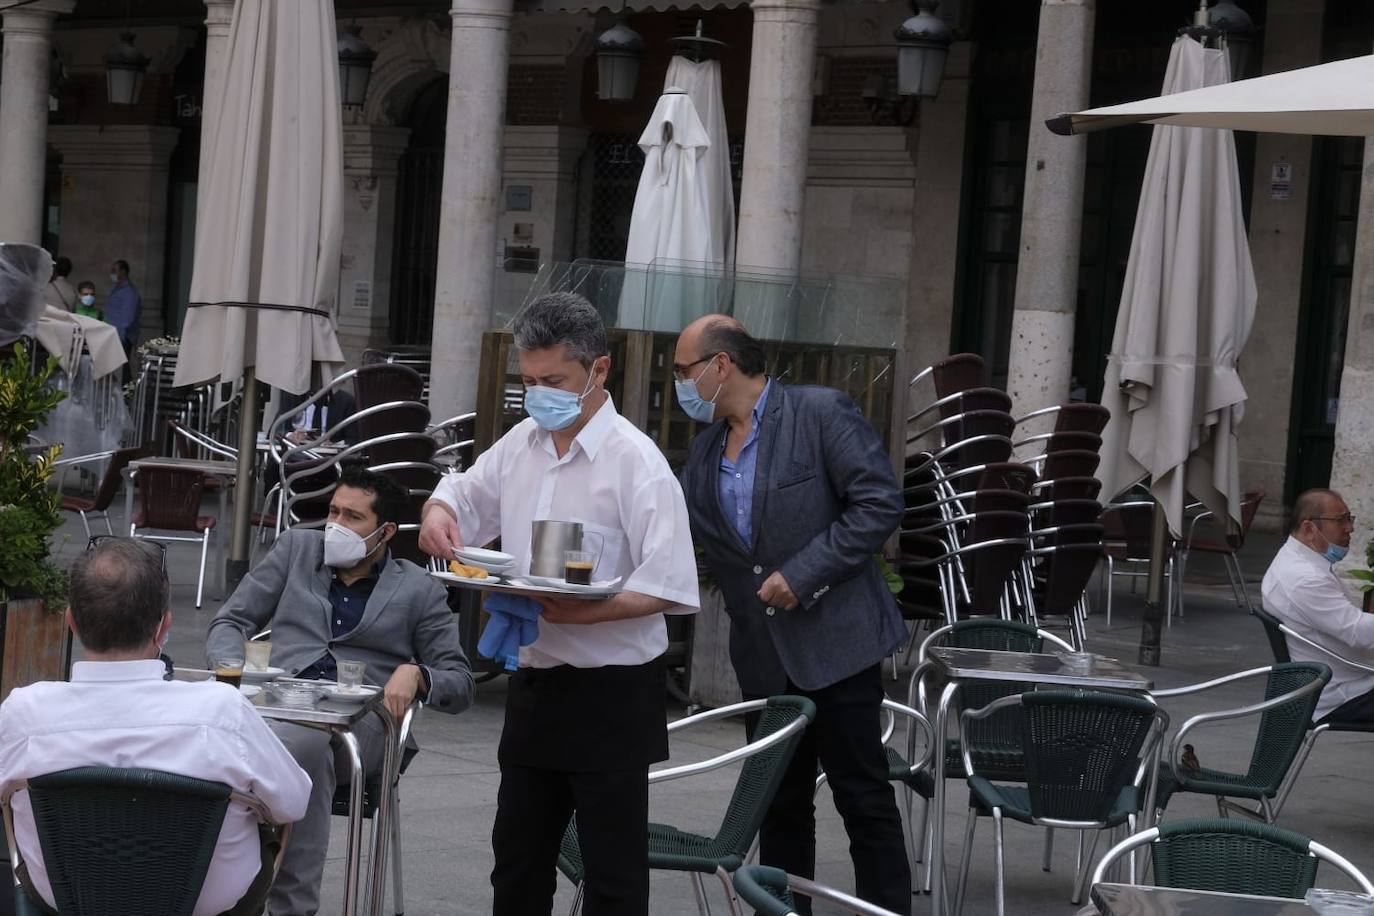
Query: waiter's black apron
(583, 720)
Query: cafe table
(1134, 900)
(340, 718)
(227, 472)
(956, 666)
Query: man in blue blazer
(791, 495)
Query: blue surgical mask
(88, 299)
(1335, 552)
(554, 408)
(691, 401)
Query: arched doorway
(419, 190)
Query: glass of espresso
(577, 567)
(229, 671)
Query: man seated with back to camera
(118, 711)
(339, 595)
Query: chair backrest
(1233, 856)
(972, 423)
(761, 775)
(382, 383)
(976, 399)
(398, 446)
(959, 372)
(999, 500)
(1070, 463)
(1129, 526)
(1277, 643)
(1059, 488)
(1067, 571)
(1082, 749)
(1069, 440)
(389, 418)
(1007, 475)
(109, 481)
(170, 497)
(1068, 512)
(1082, 417)
(995, 741)
(1249, 507)
(1283, 728)
(989, 448)
(119, 841)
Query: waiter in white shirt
(585, 711)
(1300, 588)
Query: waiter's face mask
(553, 397)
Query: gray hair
(119, 593)
(565, 319)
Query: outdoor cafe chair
(766, 757)
(1127, 533)
(769, 891)
(1076, 416)
(994, 399)
(170, 499)
(1227, 545)
(957, 372)
(1067, 488)
(1087, 758)
(1283, 740)
(383, 383)
(1232, 857)
(982, 589)
(105, 491)
(117, 841)
(1060, 573)
(1074, 462)
(996, 740)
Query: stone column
(465, 282)
(371, 156)
(1051, 212)
(218, 15)
(114, 191)
(24, 116)
(776, 135)
(1278, 230)
(1352, 465)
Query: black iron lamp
(355, 67)
(922, 45)
(619, 51)
(125, 66)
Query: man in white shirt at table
(118, 711)
(1302, 590)
(585, 710)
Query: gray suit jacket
(407, 619)
(824, 502)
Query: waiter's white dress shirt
(1301, 589)
(124, 714)
(616, 482)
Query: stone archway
(407, 62)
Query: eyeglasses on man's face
(144, 545)
(680, 371)
(1346, 519)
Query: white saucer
(479, 556)
(259, 675)
(565, 586)
(339, 694)
(250, 690)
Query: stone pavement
(448, 796)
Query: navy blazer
(825, 501)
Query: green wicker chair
(1087, 755)
(766, 756)
(1234, 857)
(1282, 742)
(769, 892)
(996, 741)
(118, 841)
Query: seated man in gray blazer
(791, 494)
(333, 596)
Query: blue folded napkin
(514, 623)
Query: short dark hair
(85, 284)
(62, 266)
(123, 265)
(1311, 504)
(119, 593)
(389, 498)
(725, 335)
(562, 318)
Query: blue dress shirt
(122, 308)
(346, 606)
(737, 477)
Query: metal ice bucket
(549, 541)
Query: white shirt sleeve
(274, 777)
(660, 538)
(475, 496)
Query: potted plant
(1365, 577)
(33, 591)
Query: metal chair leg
(730, 897)
(85, 522)
(964, 862)
(1080, 883)
(1049, 849)
(1001, 863)
(699, 891)
(397, 886)
(1111, 571)
(108, 527)
(577, 900)
(204, 549)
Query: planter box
(38, 645)
(713, 683)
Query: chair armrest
(1208, 685)
(1288, 632)
(982, 713)
(1044, 411)
(893, 708)
(82, 459)
(1342, 863)
(1134, 841)
(1238, 712)
(740, 753)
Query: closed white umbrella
(701, 81)
(1186, 310)
(670, 225)
(1335, 98)
(270, 220)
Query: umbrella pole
(236, 567)
(1152, 625)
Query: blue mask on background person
(1335, 552)
(691, 401)
(554, 408)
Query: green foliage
(29, 509)
(894, 581)
(1365, 576)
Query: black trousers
(845, 742)
(532, 811)
(1359, 710)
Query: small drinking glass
(229, 671)
(351, 675)
(577, 566)
(258, 655)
